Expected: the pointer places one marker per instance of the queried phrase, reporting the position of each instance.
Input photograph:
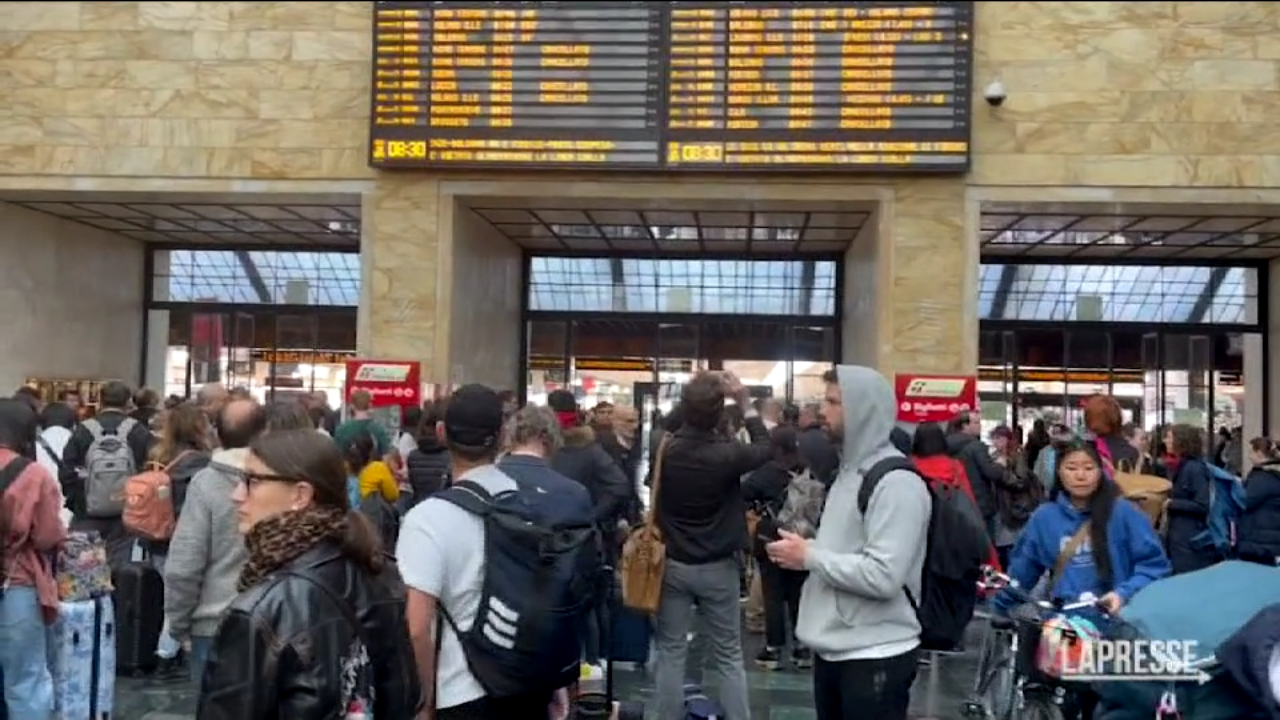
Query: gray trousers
(715, 588)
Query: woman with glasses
(318, 630)
(1092, 542)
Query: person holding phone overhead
(697, 491)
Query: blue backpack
(542, 574)
(353, 492)
(1226, 505)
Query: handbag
(644, 554)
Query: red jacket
(949, 471)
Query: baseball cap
(474, 416)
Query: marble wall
(73, 301)
(184, 89)
(1153, 94)
(1100, 93)
(1104, 97)
(485, 293)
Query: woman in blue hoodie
(1134, 556)
(1117, 553)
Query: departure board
(701, 86)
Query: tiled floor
(781, 695)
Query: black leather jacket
(277, 652)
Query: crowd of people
(323, 567)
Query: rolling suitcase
(83, 660)
(139, 601)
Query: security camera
(995, 94)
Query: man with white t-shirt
(441, 558)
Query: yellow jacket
(377, 477)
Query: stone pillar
(928, 270)
(400, 303)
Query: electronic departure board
(852, 86)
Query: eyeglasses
(253, 478)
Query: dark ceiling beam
(255, 277)
(1204, 301)
(1000, 301)
(808, 273)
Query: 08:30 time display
(402, 149)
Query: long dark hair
(19, 426)
(308, 455)
(1100, 506)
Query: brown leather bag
(644, 554)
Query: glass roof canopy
(1118, 293)
(1074, 236)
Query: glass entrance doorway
(272, 353)
(605, 360)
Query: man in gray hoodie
(207, 551)
(855, 611)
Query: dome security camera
(995, 94)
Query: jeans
(864, 689)
(200, 647)
(781, 590)
(24, 655)
(714, 587)
(168, 648)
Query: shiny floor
(777, 695)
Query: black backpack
(541, 577)
(8, 476)
(957, 545)
(384, 517)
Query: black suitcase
(139, 600)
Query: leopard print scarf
(277, 541)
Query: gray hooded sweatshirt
(853, 606)
(207, 551)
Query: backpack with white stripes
(542, 573)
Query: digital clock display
(673, 85)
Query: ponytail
(361, 543)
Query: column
(401, 307)
(928, 267)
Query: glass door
(652, 402)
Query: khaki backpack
(644, 554)
(148, 502)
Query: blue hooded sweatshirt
(1137, 557)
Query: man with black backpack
(500, 576)
(858, 607)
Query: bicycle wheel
(1040, 708)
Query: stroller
(1205, 607)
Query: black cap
(474, 417)
(562, 401)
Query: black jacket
(428, 468)
(1188, 517)
(73, 456)
(584, 460)
(819, 453)
(1246, 656)
(766, 488)
(983, 471)
(700, 508)
(277, 652)
(1259, 530)
(628, 460)
(1123, 455)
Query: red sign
(934, 398)
(388, 382)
